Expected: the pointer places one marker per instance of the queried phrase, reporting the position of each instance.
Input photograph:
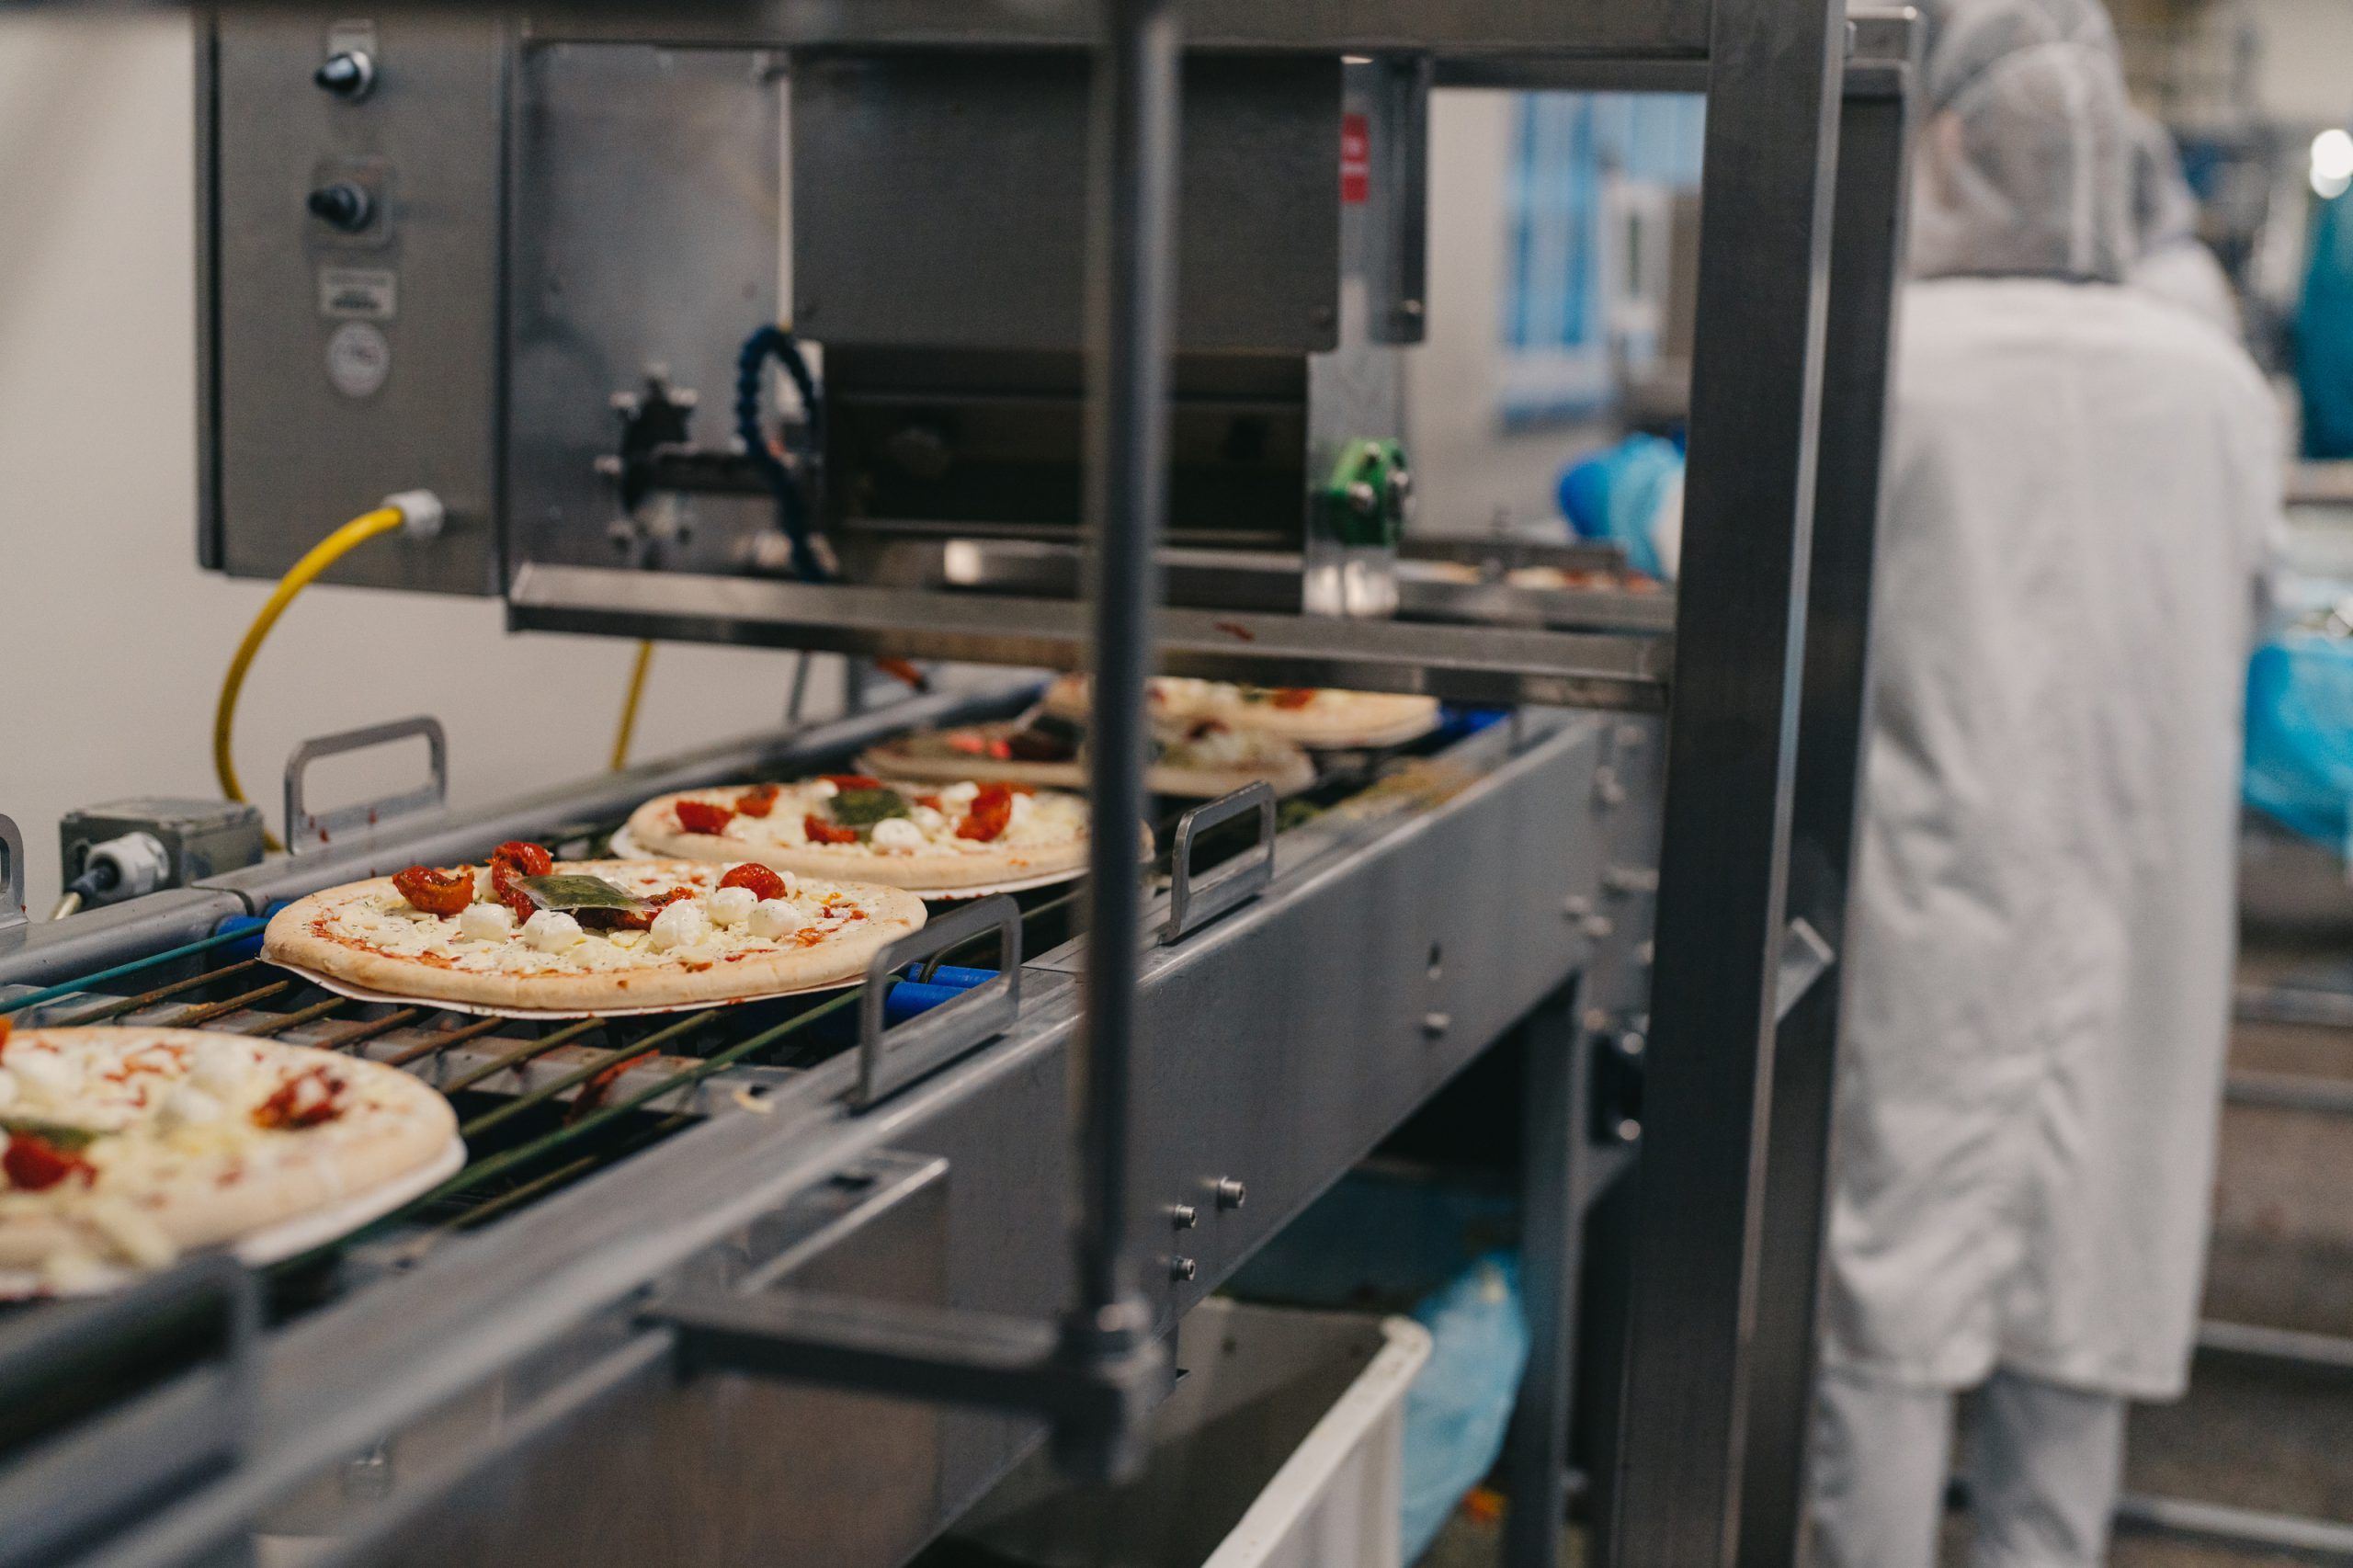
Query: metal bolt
(610, 465)
(685, 397)
(1184, 1216)
(1596, 1020)
(1576, 907)
(1436, 1023)
(1632, 1044)
(1598, 926)
(1229, 1193)
(1631, 878)
(623, 403)
(1628, 1130)
(1182, 1270)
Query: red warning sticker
(1356, 158)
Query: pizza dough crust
(307, 933)
(1335, 720)
(1286, 774)
(212, 1183)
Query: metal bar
(304, 826)
(2293, 1005)
(1238, 881)
(890, 1058)
(301, 1016)
(1771, 153)
(650, 1045)
(434, 1047)
(2322, 1538)
(2290, 1091)
(149, 998)
(1131, 285)
(520, 1054)
(1553, 1184)
(206, 1012)
(83, 983)
(2297, 1346)
(1834, 718)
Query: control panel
(350, 248)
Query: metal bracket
(303, 829)
(1192, 904)
(1805, 958)
(890, 1058)
(89, 1454)
(936, 1354)
(12, 875)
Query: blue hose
(792, 508)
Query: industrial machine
(1097, 314)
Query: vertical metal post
(1865, 262)
(1732, 747)
(1556, 1115)
(1132, 287)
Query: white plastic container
(1282, 1448)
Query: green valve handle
(1364, 501)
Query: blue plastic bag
(2300, 735)
(1460, 1406)
(1618, 494)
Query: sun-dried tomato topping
(307, 1100)
(436, 892)
(851, 781)
(33, 1164)
(966, 742)
(931, 802)
(1001, 748)
(763, 883)
(6, 1023)
(819, 831)
(701, 816)
(990, 810)
(516, 859)
(758, 801)
(1293, 697)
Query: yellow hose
(629, 706)
(323, 554)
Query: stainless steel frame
(1177, 1106)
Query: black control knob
(343, 205)
(347, 75)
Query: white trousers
(2044, 1468)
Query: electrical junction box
(200, 838)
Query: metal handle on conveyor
(182, 1343)
(1194, 904)
(304, 830)
(12, 874)
(890, 1058)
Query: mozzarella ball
(825, 790)
(896, 833)
(680, 924)
(187, 1106)
(220, 1068)
(959, 795)
(45, 1071)
(485, 922)
(731, 906)
(1024, 808)
(929, 820)
(773, 917)
(484, 887)
(551, 931)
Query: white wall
(1466, 468)
(2305, 74)
(115, 641)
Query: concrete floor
(2250, 1435)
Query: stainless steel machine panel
(938, 199)
(645, 234)
(342, 365)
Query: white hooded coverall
(2081, 480)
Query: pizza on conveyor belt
(931, 837)
(127, 1147)
(1200, 759)
(524, 931)
(1320, 717)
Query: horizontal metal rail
(136, 966)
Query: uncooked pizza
(902, 834)
(127, 1147)
(1323, 718)
(525, 931)
(1200, 758)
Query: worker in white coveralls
(2082, 483)
(2169, 260)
